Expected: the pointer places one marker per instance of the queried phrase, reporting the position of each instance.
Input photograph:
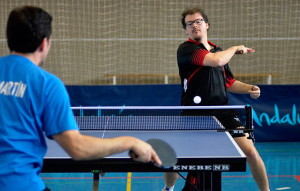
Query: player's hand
(243, 50)
(143, 152)
(254, 92)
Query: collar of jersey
(190, 40)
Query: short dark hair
(191, 11)
(27, 26)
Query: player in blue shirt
(34, 102)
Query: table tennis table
(210, 152)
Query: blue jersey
(33, 103)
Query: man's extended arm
(223, 57)
(82, 147)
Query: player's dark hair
(27, 26)
(191, 11)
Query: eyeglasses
(197, 21)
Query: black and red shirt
(205, 81)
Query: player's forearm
(239, 87)
(82, 147)
(242, 88)
(94, 148)
(219, 58)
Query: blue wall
(276, 114)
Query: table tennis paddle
(164, 151)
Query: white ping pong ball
(197, 99)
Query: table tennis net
(159, 118)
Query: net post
(249, 119)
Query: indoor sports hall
(123, 54)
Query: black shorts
(228, 118)
(232, 122)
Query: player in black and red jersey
(206, 78)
